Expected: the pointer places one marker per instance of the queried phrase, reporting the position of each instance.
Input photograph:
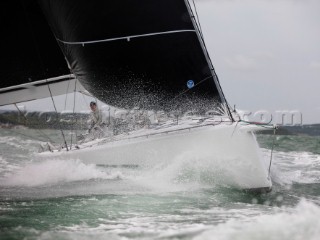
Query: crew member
(96, 121)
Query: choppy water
(65, 199)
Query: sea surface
(66, 199)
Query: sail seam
(126, 37)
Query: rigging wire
(183, 92)
(55, 108)
(73, 112)
(235, 127)
(206, 78)
(26, 120)
(198, 20)
(266, 125)
(42, 67)
(271, 154)
(65, 101)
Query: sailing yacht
(145, 54)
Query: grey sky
(265, 52)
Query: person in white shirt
(96, 122)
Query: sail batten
(126, 37)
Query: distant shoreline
(40, 120)
(78, 121)
(306, 130)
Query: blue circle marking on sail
(190, 84)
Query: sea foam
(301, 222)
(294, 167)
(53, 172)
